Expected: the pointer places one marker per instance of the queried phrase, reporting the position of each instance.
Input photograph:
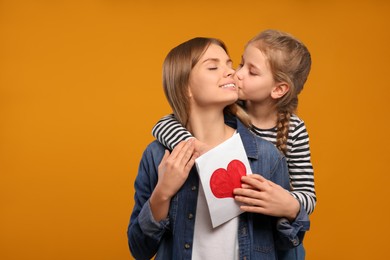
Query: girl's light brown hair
(290, 62)
(176, 73)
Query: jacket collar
(249, 140)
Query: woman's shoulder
(154, 150)
(255, 145)
(270, 162)
(266, 146)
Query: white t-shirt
(213, 243)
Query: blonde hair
(290, 62)
(177, 67)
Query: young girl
(166, 220)
(274, 68)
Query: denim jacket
(259, 236)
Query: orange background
(80, 89)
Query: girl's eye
(213, 68)
(252, 73)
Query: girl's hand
(260, 195)
(200, 147)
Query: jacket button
(187, 246)
(193, 188)
(295, 242)
(190, 216)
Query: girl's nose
(237, 74)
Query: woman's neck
(263, 115)
(209, 128)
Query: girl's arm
(299, 163)
(262, 196)
(301, 169)
(274, 200)
(169, 132)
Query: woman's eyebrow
(217, 60)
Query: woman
(198, 82)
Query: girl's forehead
(253, 52)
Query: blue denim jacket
(260, 237)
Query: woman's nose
(230, 72)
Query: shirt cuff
(293, 232)
(149, 226)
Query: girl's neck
(209, 127)
(263, 115)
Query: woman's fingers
(253, 190)
(186, 153)
(255, 181)
(256, 177)
(175, 167)
(166, 155)
(180, 151)
(176, 151)
(162, 165)
(191, 162)
(247, 193)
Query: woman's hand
(260, 195)
(172, 173)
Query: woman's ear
(189, 92)
(280, 90)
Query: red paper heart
(223, 182)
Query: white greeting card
(220, 171)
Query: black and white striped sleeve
(300, 167)
(169, 132)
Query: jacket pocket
(263, 239)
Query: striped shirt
(298, 161)
(170, 132)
